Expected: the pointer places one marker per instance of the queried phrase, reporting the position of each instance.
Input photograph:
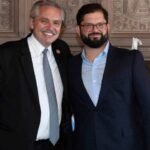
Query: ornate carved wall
(14, 19)
(69, 35)
(128, 18)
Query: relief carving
(6, 15)
(131, 16)
(71, 8)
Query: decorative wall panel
(8, 16)
(13, 19)
(128, 18)
(131, 16)
(71, 7)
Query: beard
(95, 42)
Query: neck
(92, 53)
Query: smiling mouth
(49, 33)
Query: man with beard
(34, 110)
(109, 89)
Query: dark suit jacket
(19, 103)
(121, 119)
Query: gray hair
(36, 6)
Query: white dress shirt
(36, 50)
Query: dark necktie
(54, 123)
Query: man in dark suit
(24, 102)
(109, 89)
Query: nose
(95, 28)
(49, 25)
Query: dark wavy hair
(90, 8)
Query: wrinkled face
(93, 30)
(46, 26)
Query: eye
(100, 25)
(44, 21)
(57, 23)
(89, 25)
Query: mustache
(49, 31)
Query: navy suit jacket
(121, 119)
(19, 103)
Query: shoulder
(123, 52)
(8, 45)
(11, 49)
(62, 46)
(75, 60)
(12, 45)
(60, 43)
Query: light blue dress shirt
(92, 74)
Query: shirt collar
(102, 54)
(36, 48)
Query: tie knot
(45, 51)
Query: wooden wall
(128, 19)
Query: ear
(31, 23)
(77, 30)
(108, 27)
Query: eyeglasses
(90, 27)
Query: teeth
(50, 34)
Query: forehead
(94, 16)
(49, 12)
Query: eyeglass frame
(90, 26)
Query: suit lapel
(111, 63)
(58, 55)
(80, 85)
(27, 65)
